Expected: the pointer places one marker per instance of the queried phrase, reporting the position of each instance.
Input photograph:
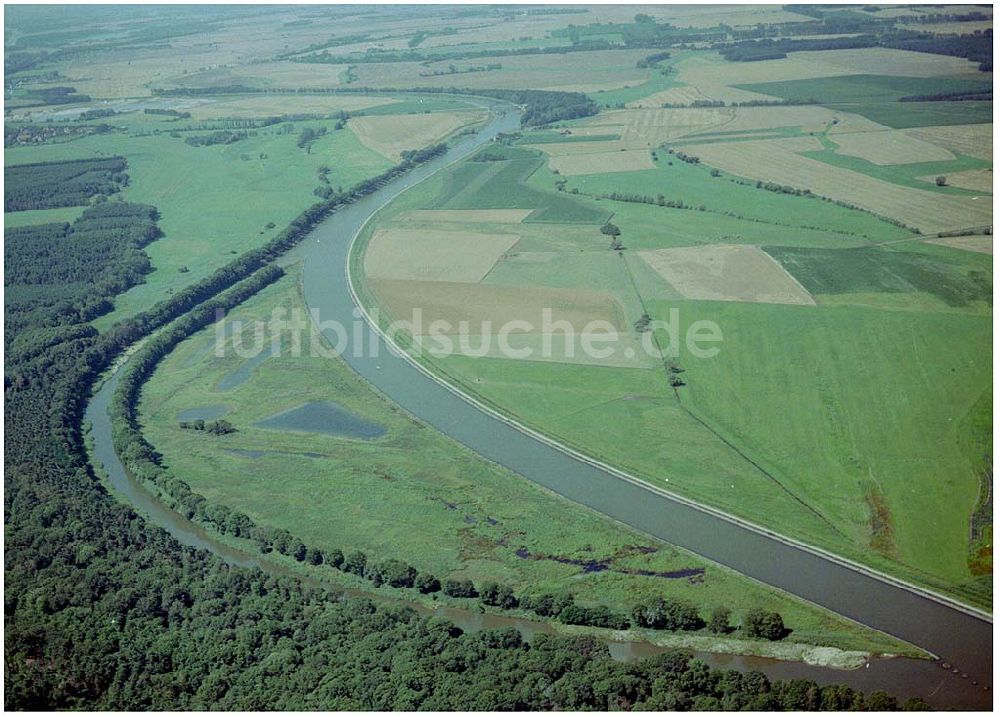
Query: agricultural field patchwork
(602, 162)
(747, 245)
(889, 147)
(979, 180)
(278, 105)
(562, 72)
(782, 162)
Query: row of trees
(168, 113)
(652, 60)
(219, 137)
(769, 48)
(979, 95)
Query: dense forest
(51, 184)
(61, 274)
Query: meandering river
(961, 639)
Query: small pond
(323, 418)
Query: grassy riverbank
(415, 494)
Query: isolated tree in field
(941, 181)
(762, 624)
(609, 229)
(718, 620)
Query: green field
(909, 322)
(725, 198)
(414, 493)
(877, 98)
(66, 214)
(215, 201)
(503, 185)
(906, 174)
(950, 279)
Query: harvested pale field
(611, 69)
(810, 118)
(554, 149)
(977, 244)
(390, 135)
(467, 215)
(890, 147)
(266, 75)
(602, 163)
(596, 130)
(274, 105)
(974, 179)
(931, 10)
(655, 126)
(434, 255)
(776, 160)
(730, 273)
(848, 123)
(487, 308)
(674, 95)
(712, 71)
(652, 127)
(735, 16)
(970, 139)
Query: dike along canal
(958, 637)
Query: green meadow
(725, 196)
(215, 201)
(503, 184)
(413, 493)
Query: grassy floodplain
(220, 200)
(215, 201)
(417, 495)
